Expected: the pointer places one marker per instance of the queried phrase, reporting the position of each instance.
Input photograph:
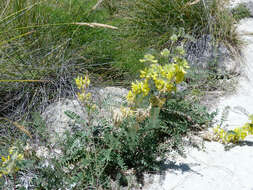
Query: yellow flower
(179, 77)
(158, 78)
(78, 82)
(145, 88)
(88, 96)
(82, 83)
(143, 73)
(159, 84)
(20, 157)
(4, 159)
(130, 97)
(81, 96)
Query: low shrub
(130, 144)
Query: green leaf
(75, 117)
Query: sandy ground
(214, 168)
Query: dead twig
(20, 127)
(94, 24)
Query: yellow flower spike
(88, 96)
(145, 89)
(158, 78)
(143, 73)
(82, 83)
(78, 83)
(81, 96)
(130, 97)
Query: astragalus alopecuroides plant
(235, 135)
(157, 82)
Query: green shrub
(132, 142)
(96, 155)
(240, 12)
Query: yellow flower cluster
(159, 78)
(234, 136)
(82, 84)
(8, 165)
(85, 97)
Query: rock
(203, 55)
(58, 122)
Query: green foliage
(111, 6)
(96, 154)
(132, 143)
(240, 12)
(44, 45)
(136, 140)
(162, 18)
(222, 28)
(185, 115)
